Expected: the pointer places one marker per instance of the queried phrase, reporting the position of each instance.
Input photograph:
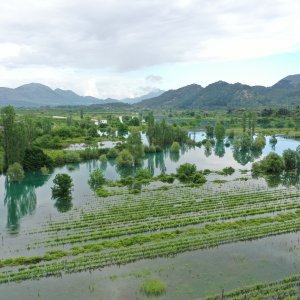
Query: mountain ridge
(224, 95)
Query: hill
(36, 94)
(223, 95)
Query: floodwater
(24, 206)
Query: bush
(72, 157)
(125, 159)
(272, 164)
(103, 158)
(291, 159)
(259, 143)
(199, 178)
(153, 287)
(44, 170)
(127, 180)
(143, 174)
(103, 193)
(15, 172)
(228, 171)
(63, 184)
(186, 171)
(175, 147)
(96, 179)
(166, 178)
(112, 153)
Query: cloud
(154, 78)
(82, 37)
(127, 35)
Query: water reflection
(287, 180)
(20, 198)
(220, 148)
(63, 204)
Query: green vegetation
(127, 227)
(96, 179)
(175, 147)
(15, 172)
(153, 287)
(62, 186)
(274, 164)
(287, 288)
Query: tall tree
(135, 145)
(8, 121)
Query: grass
(153, 287)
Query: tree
(259, 142)
(219, 131)
(135, 146)
(15, 172)
(62, 188)
(96, 179)
(291, 159)
(272, 164)
(8, 119)
(209, 131)
(35, 159)
(125, 159)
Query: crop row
(126, 250)
(287, 288)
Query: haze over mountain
(152, 94)
(218, 95)
(222, 95)
(36, 94)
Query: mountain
(152, 94)
(36, 94)
(223, 95)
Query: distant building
(59, 117)
(103, 121)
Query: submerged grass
(153, 287)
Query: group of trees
(274, 164)
(18, 144)
(163, 134)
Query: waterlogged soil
(190, 275)
(24, 208)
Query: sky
(127, 48)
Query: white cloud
(54, 39)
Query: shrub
(15, 172)
(259, 143)
(96, 179)
(199, 178)
(166, 178)
(291, 159)
(72, 157)
(44, 170)
(175, 147)
(127, 180)
(112, 153)
(228, 171)
(153, 287)
(103, 193)
(125, 159)
(63, 184)
(186, 171)
(103, 158)
(143, 174)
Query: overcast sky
(126, 48)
